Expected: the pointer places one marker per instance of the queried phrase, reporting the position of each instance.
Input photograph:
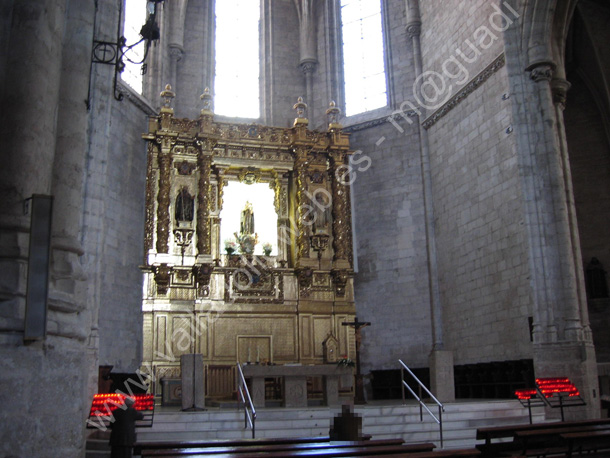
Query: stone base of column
(577, 362)
(441, 375)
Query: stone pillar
(439, 358)
(559, 89)
(308, 67)
(193, 383)
(28, 119)
(307, 46)
(442, 384)
(175, 55)
(562, 341)
(67, 292)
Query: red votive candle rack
(104, 404)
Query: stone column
(562, 345)
(560, 291)
(67, 276)
(559, 89)
(28, 121)
(441, 359)
(175, 55)
(175, 37)
(308, 46)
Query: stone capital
(560, 88)
(413, 29)
(541, 71)
(176, 51)
(308, 66)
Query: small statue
(246, 224)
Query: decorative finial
(333, 113)
(301, 108)
(206, 99)
(167, 94)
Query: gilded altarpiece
(275, 309)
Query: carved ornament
(249, 175)
(340, 278)
(470, 87)
(203, 273)
(162, 278)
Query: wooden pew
(241, 449)
(515, 432)
(140, 447)
(545, 441)
(458, 453)
(325, 452)
(597, 442)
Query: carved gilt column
(149, 225)
(340, 209)
(204, 231)
(163, 198)
(300, 168)
(166, 139)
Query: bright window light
(363, 56)
(135, 17)
(235, 197)
(236, 91)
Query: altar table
(295, 382)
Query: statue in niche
(247, 238)
(595, 277)
(321, 218)
(185, 206)
(246, 223)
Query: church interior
(294, 184)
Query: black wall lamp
(114, 53)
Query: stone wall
(482, 259)
(117, 178)
(391, 285)
(483, 263)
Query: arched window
(135, 16)
(363, 56)
(236, 86)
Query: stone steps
(460, 421)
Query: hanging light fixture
(114, 53)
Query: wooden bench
(327, 452)
(241, 449)
(550, 437)
(597, 441)
(140, 447)
(517, 432)
(458, 453)
(500, 432)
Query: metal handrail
(244, 394)
(441, 408)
